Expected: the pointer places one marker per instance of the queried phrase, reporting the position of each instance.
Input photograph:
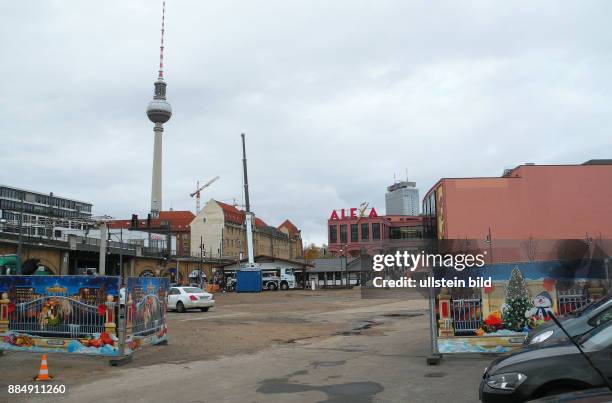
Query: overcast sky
(335, 97)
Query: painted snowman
(542, 307)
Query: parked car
(597, 395)
(549, 369)
(576, 323)
(183, 298)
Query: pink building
(351, 230)
(538, 201)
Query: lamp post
(20, 236)
(120, 252)
(343, 262)
(201, 258)
(489, 241)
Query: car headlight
(541, 337)
(509, 381)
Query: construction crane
(199, 189)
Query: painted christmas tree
(517, 302)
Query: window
(365, 232)
(333, 234)
(354, 233)
(376, 231)
(343, 237)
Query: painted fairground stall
(81, 314)
(522, 295)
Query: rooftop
(179, 221)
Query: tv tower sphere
(159, 110)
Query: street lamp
(120, 252)
(20, 236)
(202, 252)
(489, 241)
(343, 254)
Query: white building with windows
(39, 212)
(402, 198)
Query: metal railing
(59, 316)
(466, 315)
(571, 299)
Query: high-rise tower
(159, 112)
(402, 198)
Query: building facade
(219, 229)
(352, 230)
(42, 212)
(529, 201)
(174, 223)
(402, 198)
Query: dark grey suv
(549, 369)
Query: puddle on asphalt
(356, 331)
(403, 315)
(359, 392)
(317, 364)
(435, 375)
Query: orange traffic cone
(43, 373)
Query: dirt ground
(238, 324)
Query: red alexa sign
(352, 213)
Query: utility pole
(102, 258)
(20, 236)
(489, 240)
(201, 257)
(121, 255)
(346, 266)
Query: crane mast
(248, 215)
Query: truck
(279, 278)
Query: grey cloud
(335, 97)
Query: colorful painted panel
(71, 314)
(146, 302)
(521, 297)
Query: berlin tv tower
(159, 112)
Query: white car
(183, 298)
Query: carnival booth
(82, 314)
(521, 296)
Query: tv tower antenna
(161, 46)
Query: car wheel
(271, 286)
(284, 286)
(180, 308)
(205, 309)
